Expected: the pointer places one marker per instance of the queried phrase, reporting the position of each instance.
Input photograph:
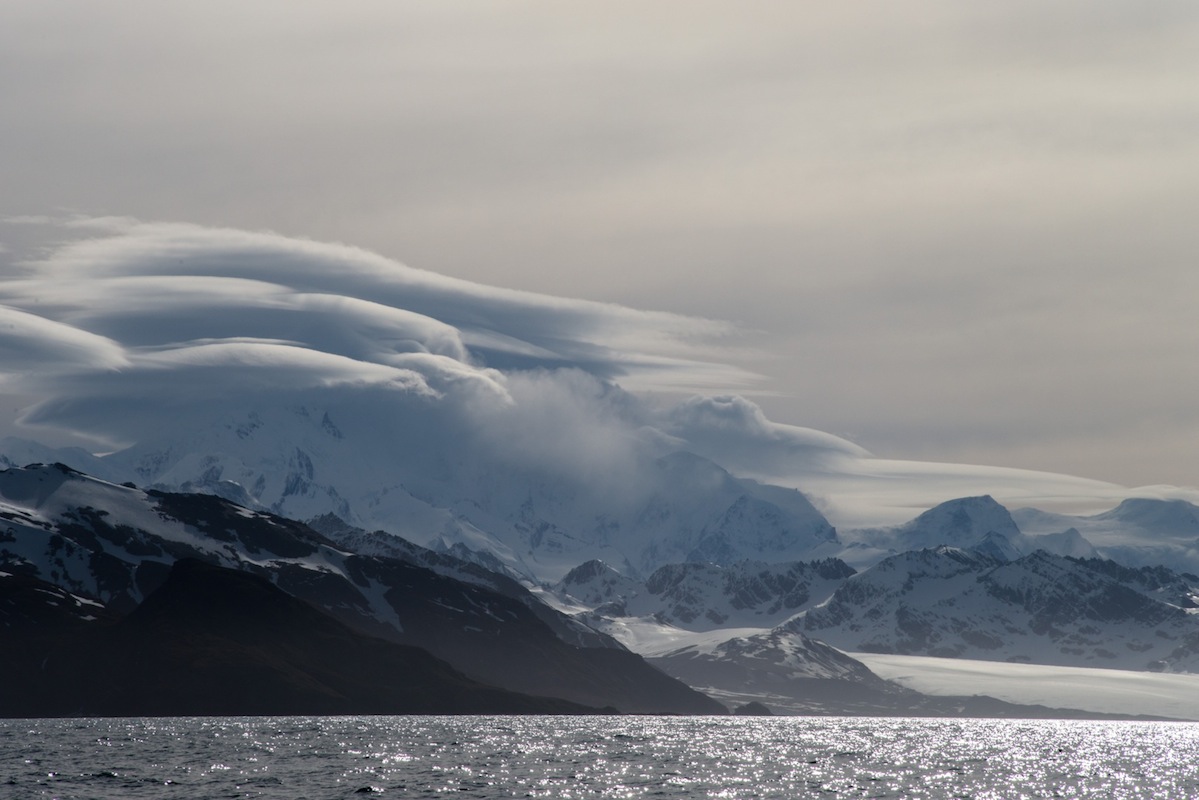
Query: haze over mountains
(512, 444)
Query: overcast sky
(947, 231)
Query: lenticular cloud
(127, 330)
(152, 337)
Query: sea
(590, 757)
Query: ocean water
(588, 757)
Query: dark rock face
(213, 641)
(29, 606)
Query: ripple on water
(589, 757)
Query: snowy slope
(707, 596)
(683, 508)
(786, 671)
(477, 570)
(1041, 608)
(958, 523)
(306, 461)
(1138, 532)
(794, 674)
(17, 452)
(112, 542)
(974, 523)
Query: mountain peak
(964, 522)
(1173, 516)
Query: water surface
(589, 757)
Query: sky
(936, 231)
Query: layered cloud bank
(127, 332)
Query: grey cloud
(736, 433)
(32, 344)
(146, 324)
(294, 283)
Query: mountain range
(1040, 608)
(542, 584)
(102, 555)
(115, 545)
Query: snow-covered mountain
(107, 547)
(691, 546)
(1040, 608)
(17, 452)
(780, 667)
(665, 506)
(974, 523)
(794, 674)
(707, 596)
(1137, 532)
(958, 523)
(785, 670)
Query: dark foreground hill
(215, 641)
(116, 544)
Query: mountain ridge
(117, 543)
